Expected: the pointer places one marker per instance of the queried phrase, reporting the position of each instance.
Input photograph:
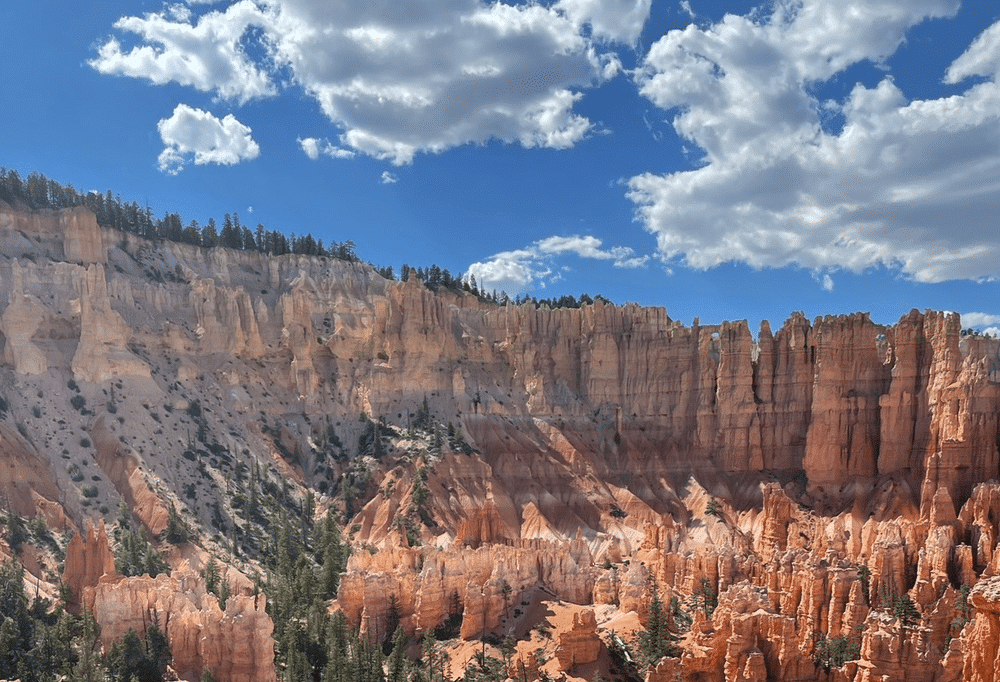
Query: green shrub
(713, 508)
(74, 473)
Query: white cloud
(908, 185)
(510, 271)
(584, 247)
(388, 178)
(191, 131)
(314, 147)
(178, 12)
(396, 81)
(620, 20)
(590, 247)
(981, 59)
(624, 257)
(531, 267)
(206, 55)
(824, 280)
(979, 319)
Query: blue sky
(724, 160)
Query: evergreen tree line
(436, 278)
(37, 191)
(568, 301)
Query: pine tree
(392, 620)
(17, 533)
(434, 659)
(397, 657)
(10, 645)
(88, 667)
(229, 235)
(209, 234)
(706, 595)
(211, 575)
(338, 666)
(332, 555)
(655, 640)
(224, 592)
(177, 531)
(905, 610)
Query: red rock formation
(777, 514)
(982, 648)
(235, 643)
(850, 376)
(88, 562)
(580, 644)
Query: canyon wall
(594, 447)
(839, 398)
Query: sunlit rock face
(806, 478)
(235, 643)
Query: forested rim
(38, 192)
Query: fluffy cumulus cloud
(619, 20)
(525, 269)
(980, 320)
(395, 79)
(195, 134)
(907, 184)
(208, 53)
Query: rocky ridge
(593, 449)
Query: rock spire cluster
(790, 491)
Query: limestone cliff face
(19, 323)
(849, 377)
(101, 353)
(840, 398)
(808, 476)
